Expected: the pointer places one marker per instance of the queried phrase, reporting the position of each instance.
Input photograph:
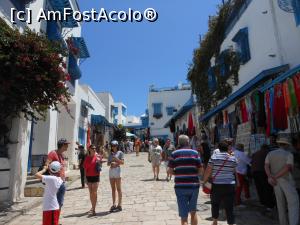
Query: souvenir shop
(265, 109)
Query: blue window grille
(212, 83)
(81, 136)
(242, 41)
(53, 30)
(124, 111)
(73, 67)
(157, 110)
(296, 6)
(170, 110)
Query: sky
(126, 58)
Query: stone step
(34, 190)
(32, 181)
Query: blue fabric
(61, 194)
(187, 201)
(186, 163)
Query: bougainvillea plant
(32, 75)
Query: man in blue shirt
(185, 164)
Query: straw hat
(284, 141)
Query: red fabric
(54, 156)
(244, 111)
(287, 97)
(89, 165)
(280, 116)
(191, 125)
(296, 81)
(268, 113)
(225, 117)
(244, 185)
(51, 217)
(88, 137)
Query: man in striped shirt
(185, 164)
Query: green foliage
(209, 48)
(120, 133)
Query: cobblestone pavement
(145, 202)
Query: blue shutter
(212, 83)
(296, 6)
(19, 4)
(73, 67)
(53, 31)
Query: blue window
(212, 83)
(157, 110)
(115, 111)
(170, 110)
(242, 41)
(296, 6)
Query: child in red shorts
(52, 183)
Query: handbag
(206, 188)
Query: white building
(108, 101)
(35, 140)
(267, 38)
(163, 103)
(120, 111)
(133, 120)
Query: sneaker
(119, 208)
(113, 208)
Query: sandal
(119, 208)
(113, 208)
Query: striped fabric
(227, 174)
(186, 163)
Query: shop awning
(80, 44)
(185, 108)
(130, 134)
(281, 78)
(60, 5)
(248, 87)
(99, 120)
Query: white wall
(108, 101)
(175, 98)
(264, 40)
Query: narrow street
(146, 202)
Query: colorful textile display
(279, 112)
(244, 112)
(268, 113)
(287, 98)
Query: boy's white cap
(54, 167)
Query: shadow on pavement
(75, 188)
(149, 180)
(100, 214)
